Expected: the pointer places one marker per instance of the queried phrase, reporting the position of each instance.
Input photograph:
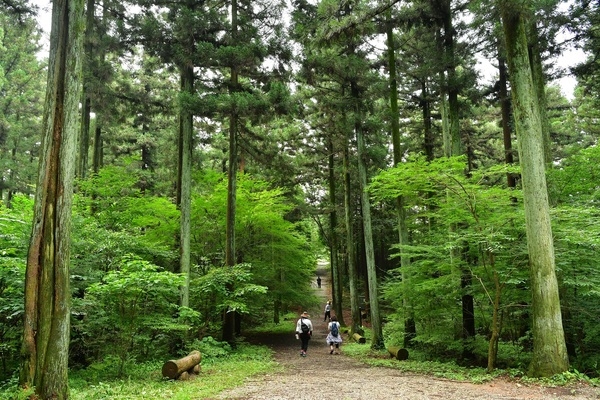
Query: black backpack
(304, 327)
(334, 329)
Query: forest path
(323, 376)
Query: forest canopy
(215, 151)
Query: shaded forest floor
(322, 376)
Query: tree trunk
(549, 349)
(495, 334)
(455, 148)
(401, 213)
(45, 347)
(539, 84)
(336, 287)
(185, 172)
(350, 244)
(86, 100)
(377, 338)
(428, 139)
(451, 81)
(229, 315)
(511, 182)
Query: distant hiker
(319, 281)
(327, 312)
(304, 329)
(334, 336)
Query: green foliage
(133, 308)
(231, 287)
(210, 349)
(451, 212)
(22, 79)
(278, 254)
(14, 233)
(229, 369)
(419, 363)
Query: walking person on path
(304, 329)
(334, 337)
(327, 312)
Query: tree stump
(398, 353)
(172, 369)
(359, 338)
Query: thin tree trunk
(451, 83)
(84, 143)
(377, 338)
(428, 142)
(230, 316)
(336, 287)
(511, 182)
(45, 346)
(539, 84)
(495, 334)
(549, 350)
(186, 131)
(409, 325)
(350, 244)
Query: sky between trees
(569, 57)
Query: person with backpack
(327, 312)
(304, 329)
(334, 337)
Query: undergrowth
(417, 364)
(219, 371)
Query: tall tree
(549, 349)
(47, 297)
(377, 338)
(409, 322)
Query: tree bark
(549, 349)
(511, 182)
(336, 287)
(539, 84)
(229, 315)
(409, 325)
(45, 347)
(173, 368)
(377, 338)
(185, 172)
(350, 243)
(86, 100)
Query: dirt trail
(324, 376)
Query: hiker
(327, 312)
(334, 337)
(319, 281)
(304, 330)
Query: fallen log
(173, 368)
(359, 339)
(398, 353)
(195, 369)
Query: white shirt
(306, 321)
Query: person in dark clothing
(318, 281)
(304, 329)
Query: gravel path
(324, 376)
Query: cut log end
(359, 339)
(173, 369)
(398, 353)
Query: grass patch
(418, 364)
(363, 353)
(144, 381)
